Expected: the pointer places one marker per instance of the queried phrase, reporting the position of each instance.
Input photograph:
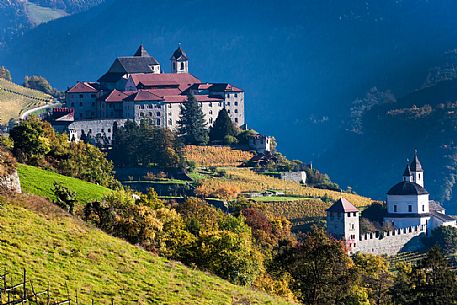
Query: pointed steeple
(179, 54)
(407, 172)
(179, 61)
(415, 164)
(141, 52)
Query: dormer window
(182, 65)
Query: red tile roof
(83, 87)
(342, 205)
(117, 96)
(143, 95)
(181, 80)
(183, 98)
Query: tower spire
(416, 170)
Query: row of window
(338, 214)
(150, 106)
(410, 208)
(210, 104)
(82, 96)
(142, 114)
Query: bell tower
(179, 61)
(417, 172)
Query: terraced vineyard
(15, 100)
(245, 180)
(216, 155)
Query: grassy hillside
(40, 182)
(61, 249)
(216, 155)
(15, 99)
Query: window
(236, 120)
(395, 208)
(170, 122)
(355, 214)
(228, 111)
(141, 106)
(109, 129)
(141, 114)
(210, 104)
(236, 110)
(110, 106)
(158, 106)
(210, 112)
(80, 103)
(220, 104)
(228, 103)
(410, 208)
(150, 113)
(236, 103)
(182, 65)
(93, 104)
(103, 130)
(158, 121)
(349, 214)
(158, 113)
(149, 106)
(423, 208)
(80, 96)
(169, 105)
(210, 120)
(92, 95)
(236, 95)
(72, 104)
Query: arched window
(182, 65)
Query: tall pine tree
(192, 125)
(223, 126)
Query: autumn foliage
(216, 155)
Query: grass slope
(58, 248)
(40, 182)
(15, 99)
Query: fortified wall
(391, 242)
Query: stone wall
(391, 242)
(10, 183)
(299, 177)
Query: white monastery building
(136, 88)
(409, 211)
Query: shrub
(65, 198)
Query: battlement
(390, 242)
(396, 232)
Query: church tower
(407, 176)
(417, 172)
(179, 61)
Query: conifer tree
(191, 125)
(222, 127)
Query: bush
(41, 84)
(230, 140)
(65, 198)
(36, 143)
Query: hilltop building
(409, 211)
(135, 88)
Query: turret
(179, 61)
(343, 222)
(417, 172)
(407, 177)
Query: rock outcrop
(10, 183)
